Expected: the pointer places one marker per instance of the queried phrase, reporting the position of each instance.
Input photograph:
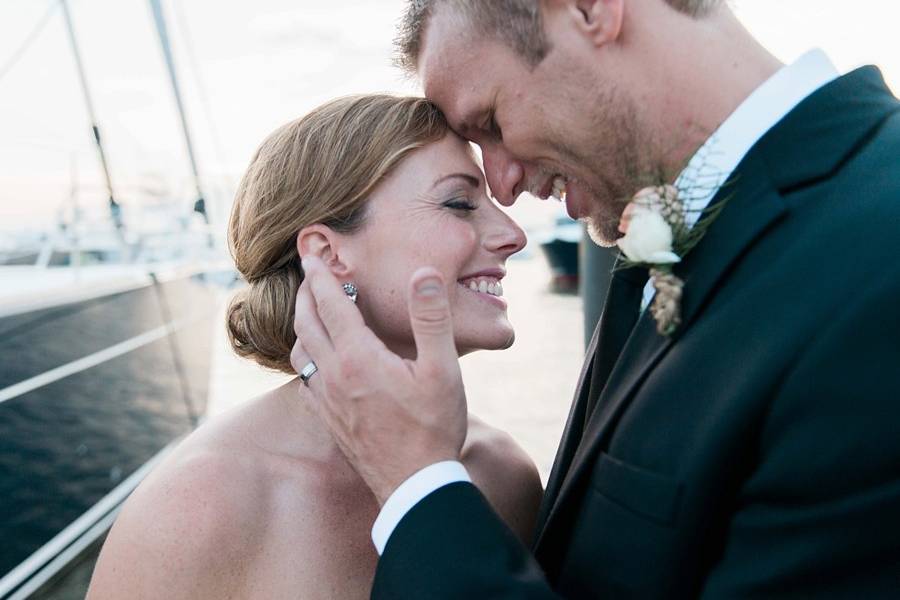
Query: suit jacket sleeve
(453, 545)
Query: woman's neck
(299, 430)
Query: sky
(246, 68)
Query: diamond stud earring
(351, 291)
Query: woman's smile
(486, 296)
(486, 286)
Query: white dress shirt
(716, 160)
(705, 173)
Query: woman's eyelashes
(462, 203)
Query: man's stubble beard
(624, 160)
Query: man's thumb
(429, 314)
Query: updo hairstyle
(320, 168)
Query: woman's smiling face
(433, 210)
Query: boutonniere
(657, 237)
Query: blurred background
(112, 280)
(247, 68)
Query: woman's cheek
(466, 237)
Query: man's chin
(602, 221)
(605, 237)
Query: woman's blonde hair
(320, 168)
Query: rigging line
(161, 29)
(187, 39)
(32, 36)
(115, 208)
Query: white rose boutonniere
(648, 238)
(656, 237)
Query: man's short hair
(517, 23)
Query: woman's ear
(323, 242)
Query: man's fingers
(300, 358)
(309, 328)
(339, 316)
(429, 314)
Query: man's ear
(599, 20)
(323, 242)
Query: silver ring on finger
(308, 371)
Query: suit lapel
(751, 209)
(571, 434)
(815, 139)
(622, 300)
(835, 121)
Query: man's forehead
(456, 97)
(448, 70)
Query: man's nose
(504, 174)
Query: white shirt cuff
(410, 493)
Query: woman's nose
(505, 236)
(504, 174)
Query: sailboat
(106, 331)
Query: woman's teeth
(559, 188)
(485, 286)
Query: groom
(752, 453)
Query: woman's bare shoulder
(506, 475)
(184, 529)
(212, 483)
(190, 526)
(206, 522)
(487, 447)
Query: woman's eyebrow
(473, 181)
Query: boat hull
(91, 392)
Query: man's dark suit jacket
(756, 452)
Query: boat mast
(114, 208)
(156, 7)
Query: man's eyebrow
(473, 181)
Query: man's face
(554, 123)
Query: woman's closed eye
(461, 203)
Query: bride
(260, 502)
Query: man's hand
(390, 416)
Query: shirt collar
(716, 160)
